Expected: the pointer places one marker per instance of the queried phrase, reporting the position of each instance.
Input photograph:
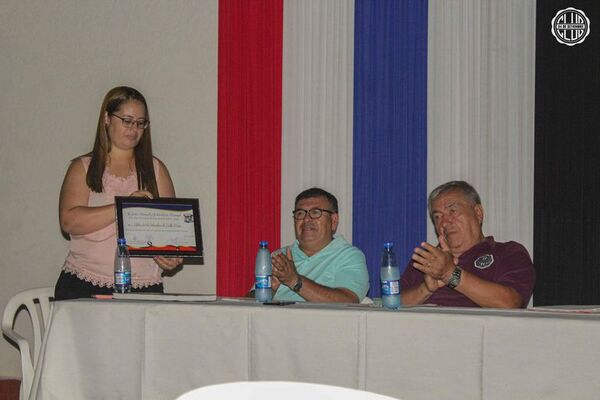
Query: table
(109, 349)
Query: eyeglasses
(129, 122)
(315, 213)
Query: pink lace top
(91, 256)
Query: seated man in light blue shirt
(318, 266)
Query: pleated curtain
(317, 105)
(480, 114)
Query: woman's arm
(76, 217)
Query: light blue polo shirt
(337, 265)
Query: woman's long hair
(144, 164)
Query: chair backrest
(268, 390)
(367, 300)
(38, 303)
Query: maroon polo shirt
(507, 264)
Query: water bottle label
(263, 282)
(390, 288)
(122, 278)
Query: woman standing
(120, 164)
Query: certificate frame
(160, 227)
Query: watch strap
(454, 280)
(296, 288)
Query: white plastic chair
(367, 300)
(38, 305)
(268, 390)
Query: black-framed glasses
(314, 213)
(129, 122)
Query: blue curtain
(390, 129)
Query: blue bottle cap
(121, 241)
(388, 245)
(263, 243)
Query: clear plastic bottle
(390, 278)
(262, 271)
(122, 268)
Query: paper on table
(165, 296)
(574, 309)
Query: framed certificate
(160, 227)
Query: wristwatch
(455, 278)
(296, 288)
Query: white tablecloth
(108, 349)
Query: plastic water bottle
(122, 268)
(262, 271)
(390, 278)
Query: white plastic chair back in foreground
(38, 304)
(267, 390)
(367, 300)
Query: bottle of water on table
(262, 271)
(390, 278)
(122, 268)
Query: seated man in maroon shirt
(466, 269)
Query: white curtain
(318, 76)
(481, 68)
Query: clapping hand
(437, 263)
(284, 269)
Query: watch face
(298, 285)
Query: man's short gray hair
(468, 190)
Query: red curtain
(249, 138)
